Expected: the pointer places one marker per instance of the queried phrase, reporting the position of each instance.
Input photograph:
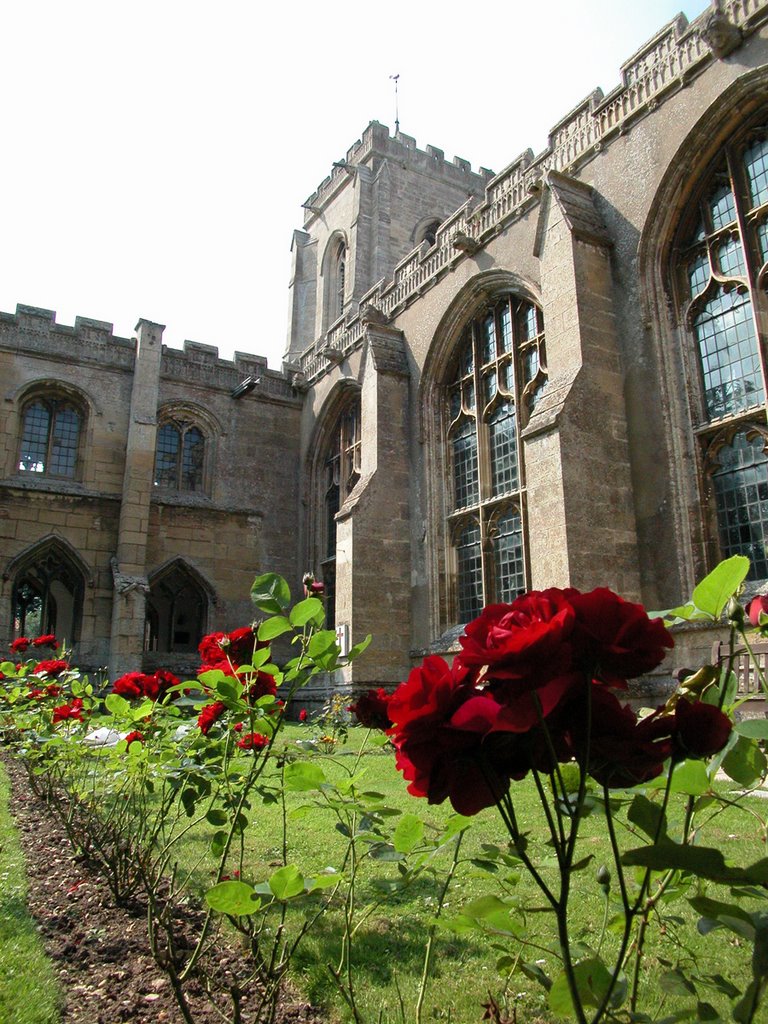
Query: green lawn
(389, 946)
(24, 969)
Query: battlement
(376, 145)
(32, 330)
(661, 67)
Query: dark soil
(99, 950)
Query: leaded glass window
(180, 457)
(342, 471)
(499, 371)
(50, 437)
(722, 272)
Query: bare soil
(100, 950)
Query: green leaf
(689, 777)
(408, 834)
(271, 594)
(219, 842)
(703, 861)
(716, 589)
(359, 648)
(272, 627)
(384, 852)
(216, 817)
(238, 899)
(535, 973)
(675, 983)
(286, 882)
(117, 705)
(301, 776)
(306, 611)
(592, 979)
(753, 728)
(322, 882)
(322, 643)
(648, 817)
(745, 762)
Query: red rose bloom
(701, 730)
(525, 640)
(370, 709)
(439, 760)
(253, 741)
(263, 686)
(165, 680)
(757, 606)
(303, 715)
(242, 643)
(134, 737)
(211, 713)
(36, 694)
(129, 685)
(623, 750)
(615, 638)
(72, 711)
(49, 640)
(222, 665)
(20, 645)
(51, 668)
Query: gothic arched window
(180, 456)
(497, 374)
(721, 279)
(341, 471)
(50, 436)
(177, 611)
(47, 596)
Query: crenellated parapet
(377, 145)
(658, 70)
(34, 331)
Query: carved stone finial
(299, 381)
(372, 314)
(720, 35)
(332, 354)
(463, 242)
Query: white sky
(155, 154)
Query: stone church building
(553, 375)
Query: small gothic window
(428, 233)
(341, 279)
(47, 597)
(342, 471)
(498, 374)
(50, 437)
(177, 609)
(721, 283)
(180, 457)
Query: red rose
(49, 640)
(211, 713)
(303, 715)
(439, 760)
(623, 750)
(370, 709)
(263, 686)
(73, 711)
(51, 668)
(253, 741)
(210, 648)
(757, 606)
(526, 640)
(701, 730)
(242, 643)
(134, 737)
(20, 645)
(222, 665)
(165, 680)
(615, 638)
(130, 685)
(36, 694)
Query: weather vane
(395, 79)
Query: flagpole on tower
(395, 79)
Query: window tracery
(721, 278)
(180, 456)
(47, 596)
(498, 373)
(50, 436)
(341, 471)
